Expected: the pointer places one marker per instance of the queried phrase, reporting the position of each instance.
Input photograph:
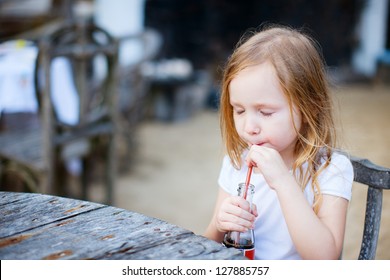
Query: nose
(252, 125)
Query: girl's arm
(315, 236)
(231, 213)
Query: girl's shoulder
(339, 163)
(341, 158)
(337, 177)
(337, 157)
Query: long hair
(300, 69)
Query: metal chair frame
(377, 178)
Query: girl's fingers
(235, 215)
(239, 207)
(233, 223)
(254, 210)
(233, 227)
(254, 156)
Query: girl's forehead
(258, 78)
(257, 71)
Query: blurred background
(171, 55)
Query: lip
(257, 144)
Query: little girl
(276, 116)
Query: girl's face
(261, 111)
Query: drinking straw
(247, 182)
(248, 179)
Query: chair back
(75, 81)
(377, 178)
(89, 95)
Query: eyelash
(239, 112)
(266, 114)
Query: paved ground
(175, 174)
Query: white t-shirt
(272, 239)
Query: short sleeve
(229, 177)
(337, 178)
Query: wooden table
(37, 226)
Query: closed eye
(266, 113)
(238, 111)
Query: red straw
(248, 179)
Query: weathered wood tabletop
(37, 226)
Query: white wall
(122, 18)
(372, 35)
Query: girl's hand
(234, 215)
(270, 164)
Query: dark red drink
(247, 246)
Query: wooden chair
(134, 90)
(377, 179)
(38, 155)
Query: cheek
(283, 129)
(297, 121)
(238, 124)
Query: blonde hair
(300, 69)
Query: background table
(37, 226)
